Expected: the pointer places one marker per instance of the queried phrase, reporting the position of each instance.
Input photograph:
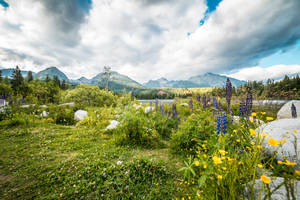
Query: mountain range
(119, 81)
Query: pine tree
(56, 81)
(29, 76)
(64, 85)
(47, 79)
(17, 79)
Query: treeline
(288, 88)
(19, 89)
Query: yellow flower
(222, 152)
(251, 121)
(282, 141)
(295, 131)
(217, 160)
(297, 172)
(234, 131)
(240, 163)
(280, 162)
(238, 140)
(264, 135)
(273, 142)
(204, 156)
(259, 165)
(265, 179)
(219, 177)
(253, 143)
(204, 166)
(253, 114)
(259, 146)
(269, 118)
(197, 163)
(263, 113)
(290, 163)
(224, 168)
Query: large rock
(44, 114)
(148, 109)
(280, 130)
(285, 111)
(80, 115)
(113, 124)
(279, 194)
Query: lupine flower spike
(191, 105)
(222, 123)
(294, 111)
(174, 111)
(228, 93)
(204, 101)
(249, 103)
(156, 105)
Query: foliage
(62, 115)
(5, 89)
(88, 95)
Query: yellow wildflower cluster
(287, 162)
(265, 179)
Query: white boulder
(113, 124)
(285, 110)
(283, 130)
(279, 194)
(80, 115)
(44, 114)
(148, 109)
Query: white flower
(119, 162)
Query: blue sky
(149, 39)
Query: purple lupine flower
(156, 105)
(243, 108)
(174, 111)
(178, 119)
(162, 109)
(294, 111)
(249, 103)
(222, 123)
(228, 93)
(191, 105)
(199, 98)
(132, 95)
(204, 101)
(215, 102)
(208, 101)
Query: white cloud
(259, 73)
(145, 39)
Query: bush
(164, 126)
(136, 129)
(88, 95)
(197, 128)
(16, 119)
(62, 115)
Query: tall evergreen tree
(29, 76)
(47, 79)
(64, 85)
(17, 79)
(56, 80)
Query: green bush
(88, 95)
(62, 115)
(136, 129)
(197, 128)
(163, 125)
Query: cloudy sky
(149, 39)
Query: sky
(149, 39)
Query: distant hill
(51, 72)
(8, 72)
(200, 81)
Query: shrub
(62, 115)
(163, 125)
(88, 95)
(197, 128)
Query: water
(164, 101)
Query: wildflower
(283, 140)
(215, 102)
(259, 146)
(119, 162)
(249, 103)
(273, 142)
(204, 101)
(235, 131)
(290, 163)
(174, 110)
(228, 92)
(269, 118)
(280, 162)
(219, 177)
(241, 162)
(222, 123)
(265, 179)
(238, 140)
(197, 163)
(252, 132)
(217, 160)
(253, 143)
(253, 114)
(191, 105)
(198, 194)
(199, 98)
(242, 110)
(222, 152)
(264, 135)
(204, 165)
(156, 105)
(295, 131)
(294, 111)
(297, 172)
(224, 168)
(259, 165)
(263, 113)
(126, 187)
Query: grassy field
(48, 161)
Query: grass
(48, 161)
